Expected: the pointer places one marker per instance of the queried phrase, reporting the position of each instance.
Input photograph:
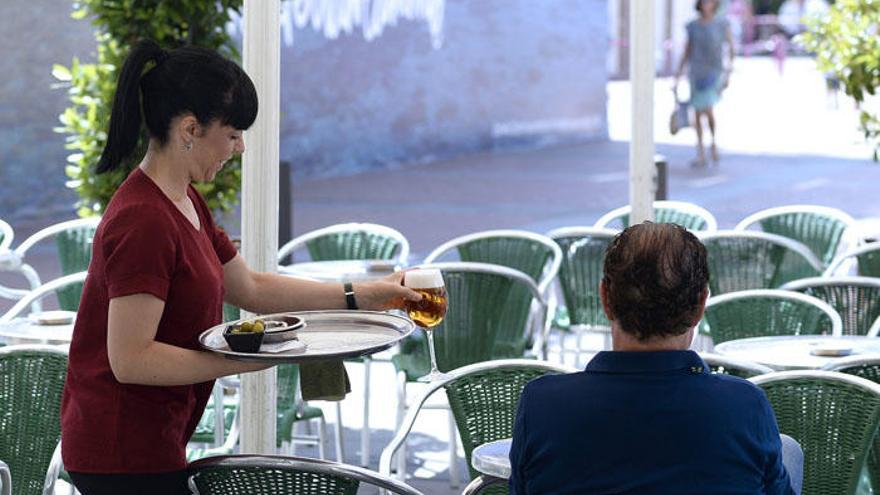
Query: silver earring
(188, 146)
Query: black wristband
(349, 295)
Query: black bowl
(243, 342)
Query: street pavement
(783, 140)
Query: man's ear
(703, 296)
(603, 295)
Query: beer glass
(429, 312)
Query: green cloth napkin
(323, 380)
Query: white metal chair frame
(300, 241)
(16, 261)
(303, 464)
(403, 407)
(823, 281)
(8, 236)
(582, 231)
(875, 328)
(843, 257)
(405, 426)
(740, 364)
(5, 479)
(851, 362)
(690, 208)
(783, 295)
(551, 270)
(401, 256)
(42, 291)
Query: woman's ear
(188, 128)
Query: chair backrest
(483, 398)
(74, 281)
(865, 366)
(688, 215)
(73, 240)
(583, 258)
(768, 312)
(742, 260)
(487, 313)
(833, 416)
(350, 241)
(736, 367)
(533, 254)
(856, 299)
(867, 260)
(272, 475)
(820, 228)
(31, 381)
(6, 236)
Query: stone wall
(510, 74)
(36, 34)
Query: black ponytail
(125, 118)
(185, 80)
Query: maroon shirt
(143, 244)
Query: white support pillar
(642, 171)
(259, 199)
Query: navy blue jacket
(646, 423)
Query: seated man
(648, 417)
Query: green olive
(259, 326)
(247, 327)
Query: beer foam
(426, 278)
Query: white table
(492, 460)
(794, 352)
(24, 329)
(341, 270)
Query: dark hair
(187, 79)
(655, 275)
(700, 2)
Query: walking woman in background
(137, 382)
(704, 56)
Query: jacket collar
(648, 362)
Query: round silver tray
(327, 335)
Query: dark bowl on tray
(243, 342)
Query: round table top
(797, 351)
(337, 271)
(493, 458)
(25, 329)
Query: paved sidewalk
(782, 142)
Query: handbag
(680, 117)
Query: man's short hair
(655, 275)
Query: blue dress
(706, 65)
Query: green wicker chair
(73, 240)
(533, 254)
(474, 329)
(736, 367)
(274, 475)
(768, 312)
(866, 366)
(583, 258)
(688, 215)
(289, 407)
(856, 299)
(56, 286)
(867, 259)
(31, 381)
(820, 228)
(833, 416)
(350, 241)
(483, 398)
(743, 260)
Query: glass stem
(430, 333)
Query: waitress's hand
(385, 293)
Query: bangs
(241, 107)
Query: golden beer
(428, 312)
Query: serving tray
(337, 334)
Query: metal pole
(259, 212)
(641, 146)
